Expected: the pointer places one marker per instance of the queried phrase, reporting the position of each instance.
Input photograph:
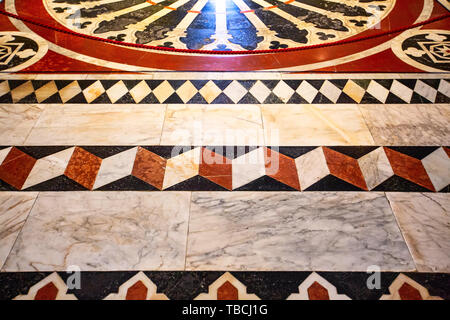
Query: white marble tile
(283, 91)
(307, 91)
(117, 91)
(425, 91)
(115, 167)
(3, 153)
(103, 231)
(425, 223)
(163, 91)
(330, 91)
(22, 91)
(14, 210)
(444, 87)
(182, 167)
(49, 167)
(437, 165)
(98, 125)
(285, 231)
(311, 167)
(401, 91)
(210, 91)
(16, 122)
(94, 91)
(235, 91)
(413, 124)
(248, 167)
(375, 167)
(294, 125)
(213, 125)
(260, 91)
(378, 91)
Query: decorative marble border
(226, 91)
(224, 168)
(218, 285)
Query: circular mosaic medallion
(220, 24)
(428, 50)
(19, 50)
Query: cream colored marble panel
(16, 122)
(98, 125)
(292, 125)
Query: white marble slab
(16, 122)
(285, 231)
(413, 124)
(425, 222)
(103, 231)
(98, 125)
(297, 125)
(14, 210)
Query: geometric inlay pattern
(197, 168)
(308, 91)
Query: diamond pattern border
(380, 91)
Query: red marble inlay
(149, 167)
(447, 151)
(16, 167)
(409, 168)
(344, 167)
(137, 291)
(227, 292)
(83, 167)
(408, 292)
(317, 292)
(281, 168)
(48, 292)
(216, 168)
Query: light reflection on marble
(424, 219)
(16, 121)
(14, 210)
(103, 231)
(334, 231)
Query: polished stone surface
(292, 231)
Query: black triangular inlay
(15, 83)
(344, 98)
(293, 152)
(104, 152)
(107, 84)
(86, 83)
(392, 98)
(247, 84)
(61, 183)
(273, 99)
(396, 183)
(369, 99)
(320, 98)
(38, 152)
(354, 152)
(61, 84)
(265, 183)
(103, 98)
(441, 98)
(79, 98)
(222, 84)
(6, 98)
(231, 152)
(197, 99)
(248, 99)
(297, 99)
(128, 183)
(53, 99)
(294, 84)
(174, 98)
(127, 98)
(130, 84)
(176, 83)
(150, 99)
(31, 98)
(197, 183)
(168, 152)
(198, 84)
(418, 152)
(222, 99)
(39, 83)
(6, 187)
(332, 183)
(270, 84)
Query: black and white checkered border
(310, 91)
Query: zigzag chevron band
(152, 168)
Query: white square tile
(140, 91)
(283, 91)
(187, 91)
(437, 165)
(378, 91)
(307, 91)
(425, 91)
(235, 91)
(402, 91)
(69, 91)
(260, 91)
(311, 167)
(210, 91)
(94, 91)
(248, 167)
(330, 91)
(117, 91)
(375, 167)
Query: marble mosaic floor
(224, 185)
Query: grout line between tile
(187, 233)
(401, 232)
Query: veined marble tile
(375, 167)
(98, 125)
(294, 231)
(314, 125)
(103, 231)
(425, 222)
(14, 210)
(16, 122)
(412, 124)
(213, 125)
